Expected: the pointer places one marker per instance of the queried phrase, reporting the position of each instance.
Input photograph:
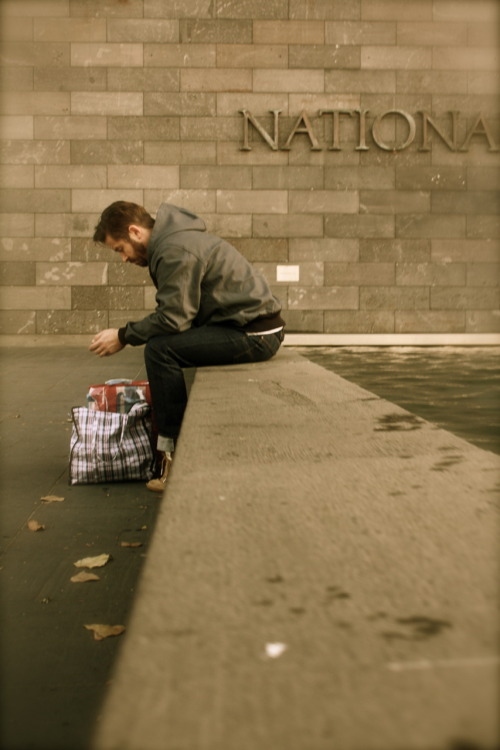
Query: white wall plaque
(287, 273)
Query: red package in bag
(118, 395)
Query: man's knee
(158, 351)
(154, 350)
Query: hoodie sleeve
(177, 278)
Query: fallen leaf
(35, 526)
(130, 544)
(84, 576)
(105, 631)
(52, 499)
(92, 562)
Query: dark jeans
(165, 356)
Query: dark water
(457, 388)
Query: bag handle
(140, 405)
(93, 447)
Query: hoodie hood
(171, 219)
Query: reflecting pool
(457, 388)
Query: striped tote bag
(109, 446)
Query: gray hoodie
(200, 279)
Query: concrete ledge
(300, 339)
(304, 511)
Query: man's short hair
(116, 219)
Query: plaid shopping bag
(108, 446)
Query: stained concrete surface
(53, 673)
(323, 576)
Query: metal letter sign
(480, 130)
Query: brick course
(104, 100)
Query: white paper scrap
(275, 650)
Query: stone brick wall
(379, 219)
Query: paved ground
(322, 574)
(53, 674)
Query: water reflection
(457, 388)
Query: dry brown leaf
(130, 544)
(92, 562)
(52, 499)
(105, 631)
(35, 526)
(84, 576)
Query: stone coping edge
(299, 339)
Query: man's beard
(142, 253)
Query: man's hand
(106, 342)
